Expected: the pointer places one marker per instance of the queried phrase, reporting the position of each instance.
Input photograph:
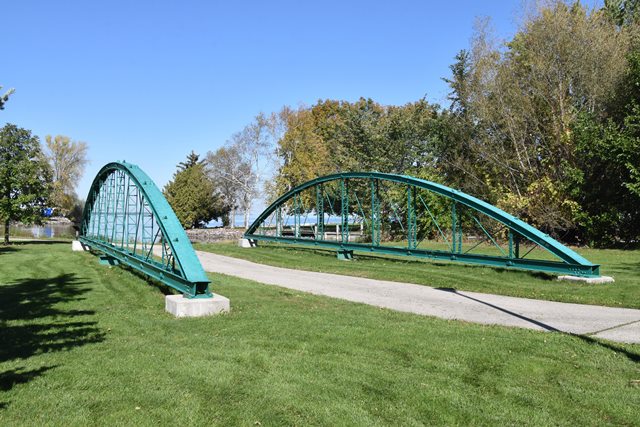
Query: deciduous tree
(25, 177)
(4, 98)
(67, 159)
(231, 177)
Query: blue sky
(148, 81)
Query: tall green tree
(516, 106)
(192, 196)
(25, 177)
(67, 159)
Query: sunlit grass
(85, 344)
(623, 265)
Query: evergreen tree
(192, 196)
(192, 160)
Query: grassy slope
(86, 344)
(623, 265)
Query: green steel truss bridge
(402, 215)
(127, 218)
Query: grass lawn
(85, 344)
(623, 265)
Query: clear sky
(148, 81)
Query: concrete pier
(180, 306)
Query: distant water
(46, 231)
(288, 220)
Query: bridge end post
(247, 243)
(344, 254)
(588, 280)
(78, 246)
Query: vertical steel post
(108, 205)
(510, 244)
(459, 236)
(96, 211)
(344, 211)
(319, 212)
(454, 225)
(412, 226)
(375, 214)
(119, 182)
(279, 221)
(125, 216)
(296, 213)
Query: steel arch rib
(543, 240)
(175, 236)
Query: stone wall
(213, 235)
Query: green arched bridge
(400, 215)
(128, 219)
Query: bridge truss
(403, 215)
(127, 218)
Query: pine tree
(191, 195)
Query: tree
(515, 108)
(192, 160)
(24, 177)
(255, 144)
(4, 98)
(192, 196)
(68, 160)
(231, 176)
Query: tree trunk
(6, 232)
(246, 218)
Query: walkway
(616, 324)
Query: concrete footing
(246, 243)
(589, 280)
(78, 246)
(180, 306)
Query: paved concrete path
(616, 324)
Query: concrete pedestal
(180, 306)
(589, 280)
(246, 243)
(77, 246)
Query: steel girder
(126, 217)
(569, 261)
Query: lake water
(46, 231)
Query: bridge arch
(519, 232)
(127, 218)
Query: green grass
(88, 344)
(623, 265)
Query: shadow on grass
(632, 356)
(33, 323)
(630, 267)
(161, 287)
(6, 249)
(37, 242)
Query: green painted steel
(518, 231)
(126, 217)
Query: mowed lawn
(85, 344)
(623, 265)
